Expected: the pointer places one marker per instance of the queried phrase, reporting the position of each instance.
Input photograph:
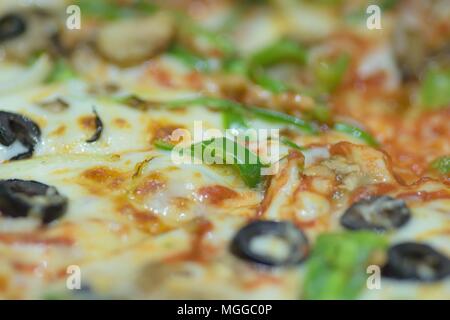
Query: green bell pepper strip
(257, 112)
(279, 117)
(442, 164)
(281, 51)
(291, 144)
(222, 104)
(387, 4)
(356, 133)
(271, 84)
(163, 145)
(61, 72)
(330, 73)
(337, 266)
(215, 40)
(235, 65)
(260, 113)
(190, 59)
(435, 89)
(111, 10)
(321, 113)
(234, 119)
(245, 161)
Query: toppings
(290, 89)
(281, 51)
(190, 59)
(201, 41)
(239, 111)
(442, 165)
(216, 194)
(376, 213)
(61, 72)
(163, 145)
(21, 198)
(357, 133)
(15, 127)
(233, 119)
(435, 90)
(279, 117)
(416, 261)
(12, 26)
(133, 41)
(337, 266)
(226, 151)
(330, 73)
(263, 241)
(98, 128)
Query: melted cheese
(141, 226)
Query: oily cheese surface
(139, 225)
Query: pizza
(224, 149)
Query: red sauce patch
(161, 75)
(216, 194)
(260, 281)
(37, 239)
(198, 251)
(194, 80)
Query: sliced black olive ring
(12, 26)
(15, 127)
(98, 128)
(376, 213)
(416, 261)
(23, 198)
(294, 238)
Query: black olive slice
(17, 127)
(12, 26)
(416, 261)
(23, 198)
(295, 240)
(98, 128)
(376, 213)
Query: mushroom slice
(129, 42)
